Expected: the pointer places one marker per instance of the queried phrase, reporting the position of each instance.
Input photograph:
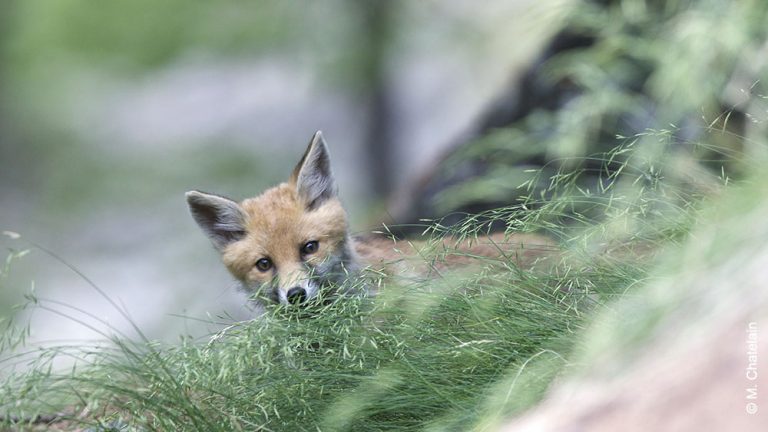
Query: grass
(463, 350)
(388, 364)
(459, 351)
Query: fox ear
(312, 176)
(220, 218)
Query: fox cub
(292, 242)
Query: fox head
(290, 242)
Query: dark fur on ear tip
(220, 218)
(313, 176)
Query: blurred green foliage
(629, 160)
(55, 58)
(133, 36)
(681, 81)
(129, 38)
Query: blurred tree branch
(377, 17)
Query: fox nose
(296, 295)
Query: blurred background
(619, 119)
(110, 111)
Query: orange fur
(386, 255)
(276, 226)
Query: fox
(292, 243)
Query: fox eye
(310, 248)
(264, 264)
